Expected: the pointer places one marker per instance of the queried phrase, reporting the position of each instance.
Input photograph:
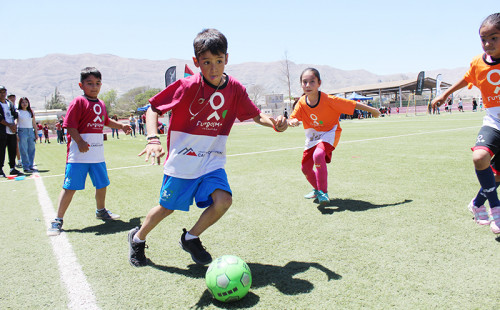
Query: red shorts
(327, 147)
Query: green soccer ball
(228, 278)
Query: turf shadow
(353, 205)
(108, 227)
(280, 277)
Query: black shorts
(488, 139)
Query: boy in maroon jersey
(84, 121)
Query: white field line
(362, 140)
(80, 293)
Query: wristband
(152, 137)
(155, 142)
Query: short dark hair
(210, 40)
(493, 19)
(88, 71)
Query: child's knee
(222, 200)
(481, 159)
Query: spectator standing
(8, 138)
(26, 128)
(131, 120)
(113, 130)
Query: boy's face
(211, 66)
(91, 87)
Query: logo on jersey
(98, 111)
(190, 152)
(314, 118)
(216, 101)
(494, 74)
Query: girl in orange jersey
(320, 113)
(484, 73)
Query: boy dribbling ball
(204, 108)
(84, 121)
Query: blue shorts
(178, 194)
(76, 174)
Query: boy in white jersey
(204, 107)
(84, 122)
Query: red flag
(187, 71)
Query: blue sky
(382, 37)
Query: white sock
(188, 236)
(137, 240)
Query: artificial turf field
(397, 233)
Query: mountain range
(37, 78)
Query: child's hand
(83, 146)
(375, 113)
(126, 129)
(438, 101)
(280, 124)
(293, 122)
(155, 151)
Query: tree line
(122, 105)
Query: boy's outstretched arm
(367, 108)
(117, 125)
(153, 148)
(439, 100)
(279, 124)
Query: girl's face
(490, 40)
(24, 104)
(310, 83)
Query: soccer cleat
(55, 228)
(313, 194)
(323, 198)
(480, 214)
(495, 220)
(196, 249)
(106, 215)
(136, 255)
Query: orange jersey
(322, 121)
(485, 76)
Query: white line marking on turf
(363, 140)
(79, 291)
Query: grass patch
(396, 234)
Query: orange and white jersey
(486, 76)
(321, 122)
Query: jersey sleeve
(470, 74)
(246, 109)
(169, 97)
(72, 118)
(297, 110)
(344, 106)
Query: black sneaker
(197, 251)
(106, 215)
(136, 255)
(55, 228)
(14, 171)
